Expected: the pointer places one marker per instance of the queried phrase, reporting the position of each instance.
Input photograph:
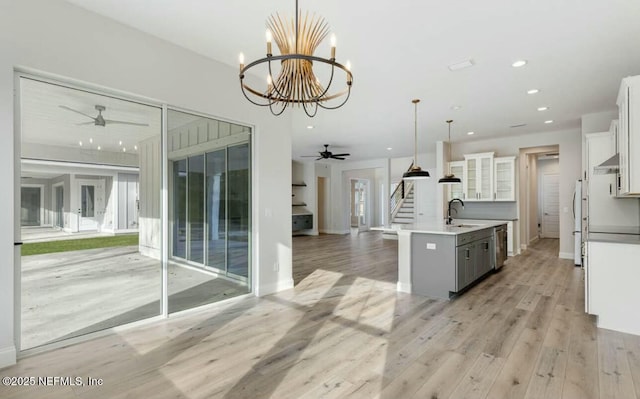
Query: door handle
(468, 254)
(17, 243)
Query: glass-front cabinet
(504, 179)
(478, 185)
(456, 190)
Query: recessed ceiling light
(120, 142)
(310, 127)
(549, 121)
(80, 142)
(456, 107)
(389, 148)
(461, 65)
(533, 91)
(543, 108)
(90, 140)
(99, 148)
(135, 147)
(519, 63)
(471, 133)
(124, 149)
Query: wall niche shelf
(299, 184)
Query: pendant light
(415, 172)
(450, 178)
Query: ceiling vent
(461, 65)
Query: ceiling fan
(326, 154)
(99, 119)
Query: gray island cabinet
(444, 264)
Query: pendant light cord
(449, 122)
(415, 129)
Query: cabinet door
(504, 179)
(633, 133)
(471, 187)
(457, 190)
(483, 257)
(623, 138)
(464, 265)
(485, 178)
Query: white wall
(59, 38)
(569, 142)
(340, 191)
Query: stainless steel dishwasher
(501, 245)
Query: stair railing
(399, 194)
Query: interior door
(550, 206)
(91, 208)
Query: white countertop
(458, 226)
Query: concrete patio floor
(74, 293)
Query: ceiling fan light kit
(296, 83)
(415, 172)
(450, 178)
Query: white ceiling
(578, 50)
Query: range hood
(610, 166)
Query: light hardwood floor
(344, 332)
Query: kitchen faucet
(449, 219)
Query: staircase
(402, 208)
(405, 213)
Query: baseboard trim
(337, 231)
(523, 247)
(7, 356)
(566, 255)
(402, 287)
(534, 239)
(269, 289)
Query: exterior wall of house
(53, 36)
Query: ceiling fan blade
(341, 155)
(111, 122)
(76, 111)
(317, 159)
(340, 158)
(308, 156)
(86, 123)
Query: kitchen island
(440, 260)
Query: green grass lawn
(38, 248)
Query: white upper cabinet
(457, 190)
(504, 171)
(629, 136)
(484, 178)
(479, 177)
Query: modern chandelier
(450, 178)
(415, 172)
(294, 81)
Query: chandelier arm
(243, 87)
(304, 106)
(274, 83)
(284, 106)
(347, 92)
(328, 84)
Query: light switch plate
(431, 245)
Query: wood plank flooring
(344, 332)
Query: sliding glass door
(210, 202)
